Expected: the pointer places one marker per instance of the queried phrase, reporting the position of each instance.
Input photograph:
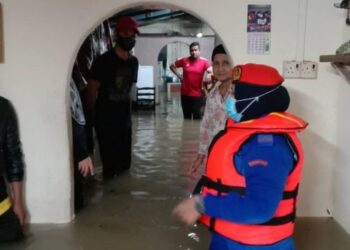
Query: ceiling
(189, 25)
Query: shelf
(340, 62)
(344, 59)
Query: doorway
(165, 35)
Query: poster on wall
(259, 29)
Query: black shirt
(117, 77)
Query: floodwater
(133, 211)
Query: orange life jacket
(222, 177)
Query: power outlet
(291, 69)
(308, 70)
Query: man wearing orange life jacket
(249, 194)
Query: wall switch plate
(291, 69)
(308, 70)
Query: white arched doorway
(148, 47)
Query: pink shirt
(193, 72)
(214, 119)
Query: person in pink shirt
(215, 116)
(194, 68)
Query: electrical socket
(308, 70)
(291, 69)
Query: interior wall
(41, 41)
(175, 51)
(342, 166)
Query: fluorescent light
(199, 35)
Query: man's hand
(186, 210)
(18, 207)
(174, 70)
(20, 211)
(86, 166)
(197, 163)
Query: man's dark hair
(218, 50)
(195, 44)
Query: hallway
(133, 211)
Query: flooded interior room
(106, 108)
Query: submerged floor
(133, 211)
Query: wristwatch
(199, 204)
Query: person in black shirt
(113, 75)
(13, 213)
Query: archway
(149, 43)
(167, 55)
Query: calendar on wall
(259, 43)
(259, 29)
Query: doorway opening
(165, 35)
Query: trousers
(192, 106)
(115, 148)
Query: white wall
(41, 41)
(342, 166)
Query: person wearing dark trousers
(112, 77)
(114, 146)
(83, 165)
(192, 106)
(194, 68)
(13, 213)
